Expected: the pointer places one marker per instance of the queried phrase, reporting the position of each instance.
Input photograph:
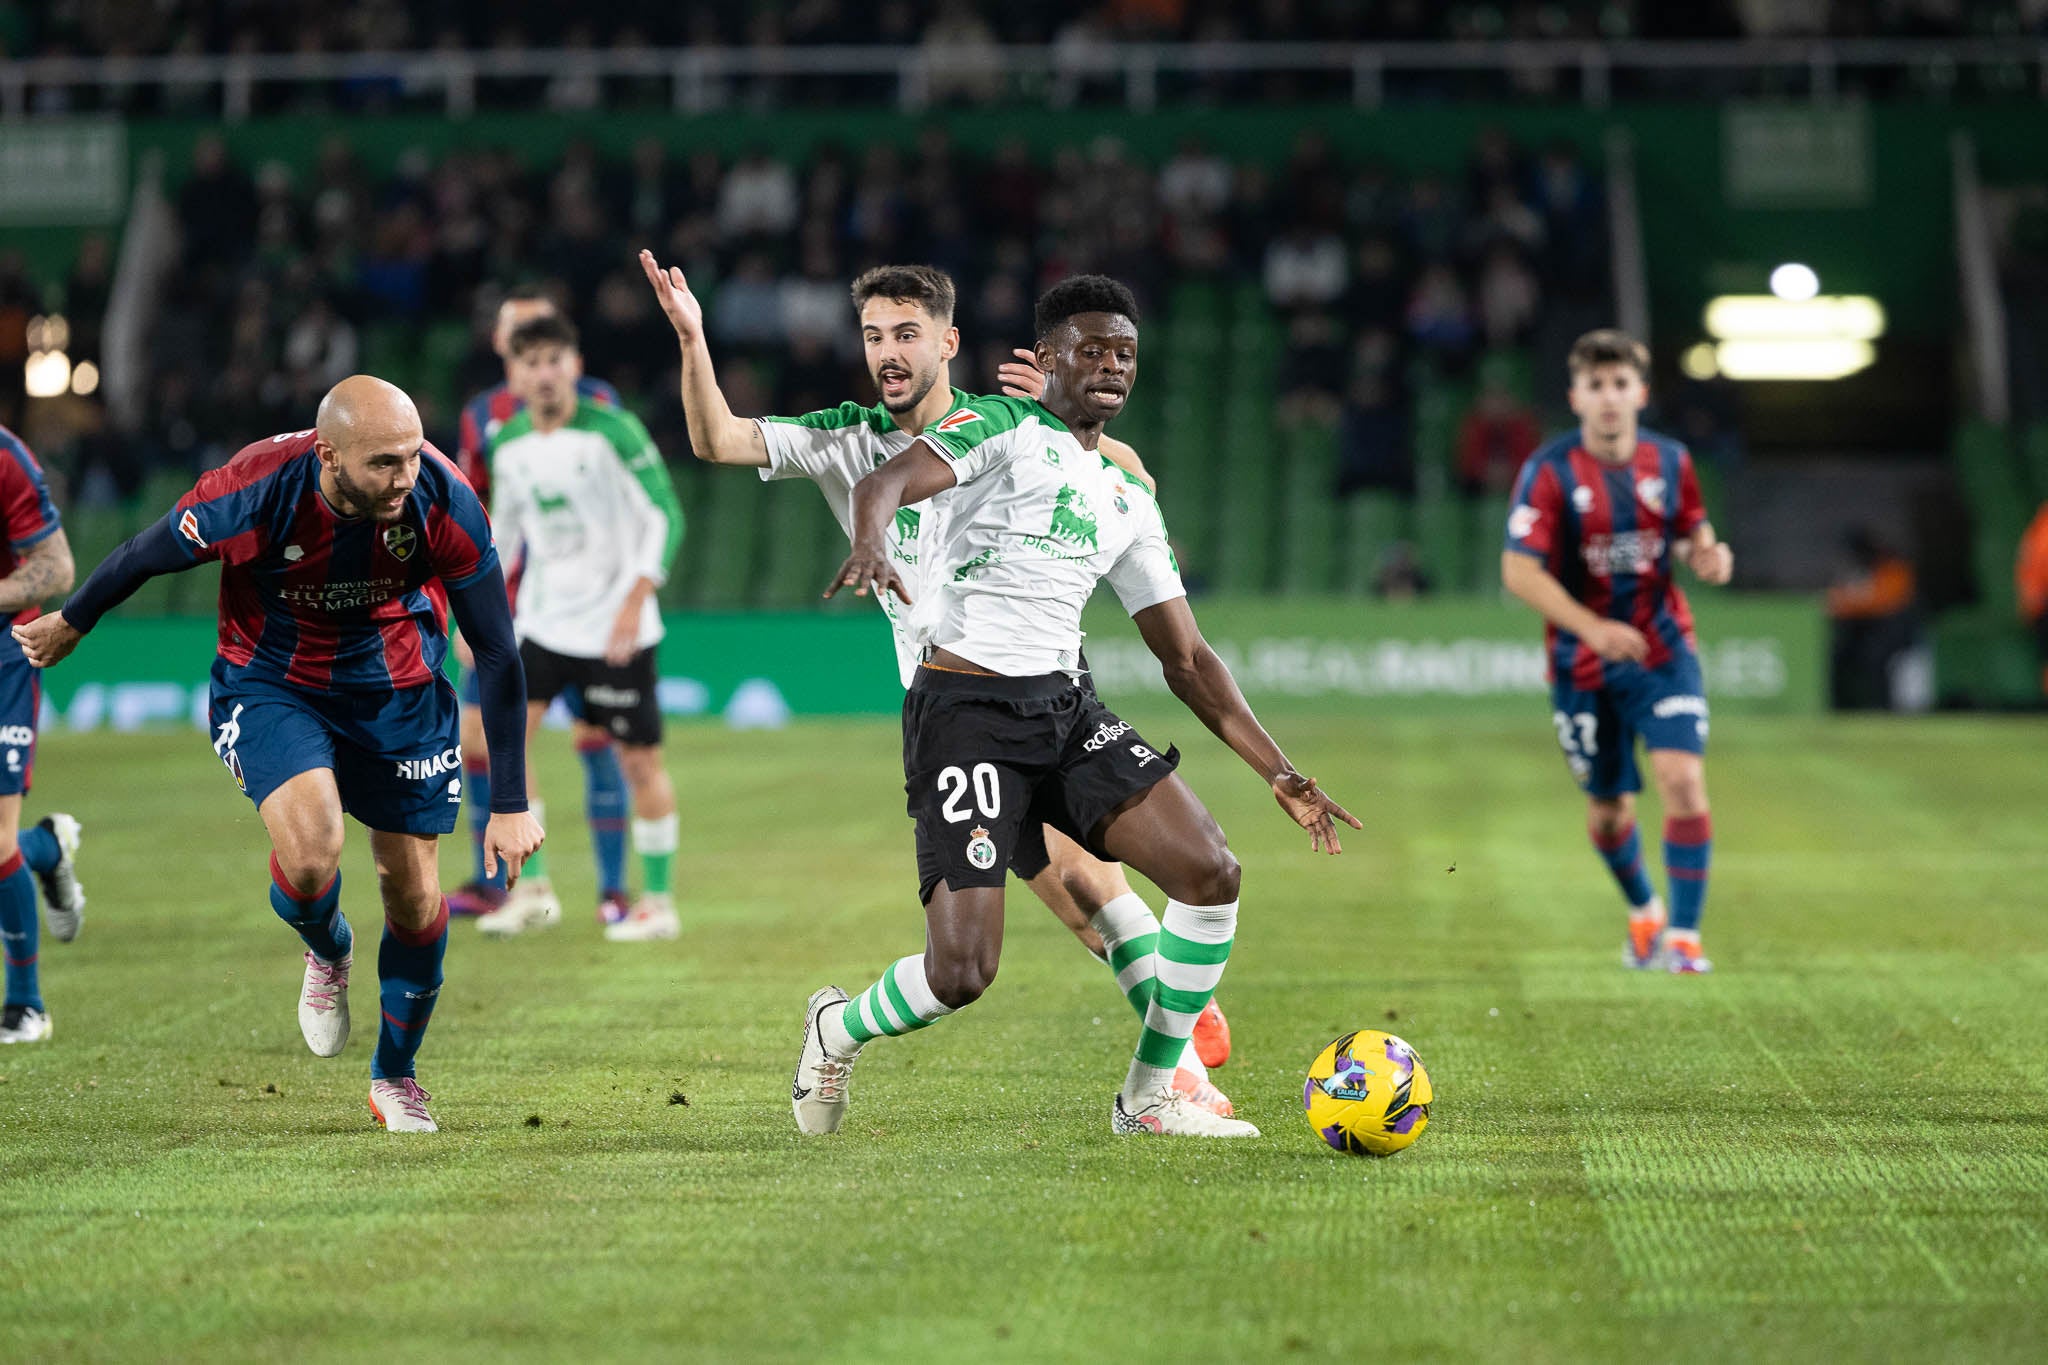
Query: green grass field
(1834, 1148)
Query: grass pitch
(1834, 1148)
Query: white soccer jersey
(593, 507)
(836, 448)
(1034, 522)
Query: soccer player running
(341, 550)
(604, 787)
(907, 332)
(581, 487)
(35, 563)
(1599, 514)
(998, 733)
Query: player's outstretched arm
(1525, 577)
(912, 475)
(143, 556)
(1205, 687)
(485, 616)
(716, 436)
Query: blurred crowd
(74, 27)
(290, 276)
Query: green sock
(1194, 945)
(900, 1002)
(655, 841)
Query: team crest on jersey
(1582, 499)
(1118, 501)
(188, 526)
(981, 850)
(959, 419)
(1650, 492)
(401, 541)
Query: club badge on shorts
(981, 850)
(400, 541)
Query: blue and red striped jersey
(319, 600)
(25, 507)
(485, 415)
(1605, 531)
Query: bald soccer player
(341, 549)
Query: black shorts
(619, 701)
(1032, 856)
(988, 761)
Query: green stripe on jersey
(848, 414)
(978, 419)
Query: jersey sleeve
(458, 531)
(1691, 512)
(1146, 573)
(227, 515)
(815, 444)
(650, 486)
(1536, 513)
(24, 497)
(977, 436)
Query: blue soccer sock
(317, 918)
(1688, 848)
(476, 788)
(19, 930)
(604, 802)
(1622, 851)
(408, 980)
(39, 849)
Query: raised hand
(672, 292)
(1307, 806)
(1021, 378)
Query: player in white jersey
(997, 733)
(582, 488)
(906, 322)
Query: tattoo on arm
(44, 571)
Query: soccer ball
(1367, 1094)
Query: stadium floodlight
(85, 378)
(1699, 362)
(1795, 282)
(1794, 358)
(47, 374)
(1762, 317)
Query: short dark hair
(1083, 294)
(549, 329)
(927, 286)
(1608, 346)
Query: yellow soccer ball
(1367, 1094)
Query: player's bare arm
(716, 436)
(917, 473)
(1528, 580)
(624, 641)
(46, 569)
(1707, 555)
(1204, 685)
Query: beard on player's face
(914, 383)
(357, 501)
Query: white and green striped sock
(1194, 944)
(1130, 935)
(900, 1002)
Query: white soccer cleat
(401, 1106)
(652, 917)
(24, 1024)
(1168, 1113)
(531, 905)
(819, 1092)
(323, 1004)
(63, 897)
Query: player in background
(583, 494)
(1599, 515)
(342, 549)
(999, 734)
(906, 321)
(604, 787)
(35, 564)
